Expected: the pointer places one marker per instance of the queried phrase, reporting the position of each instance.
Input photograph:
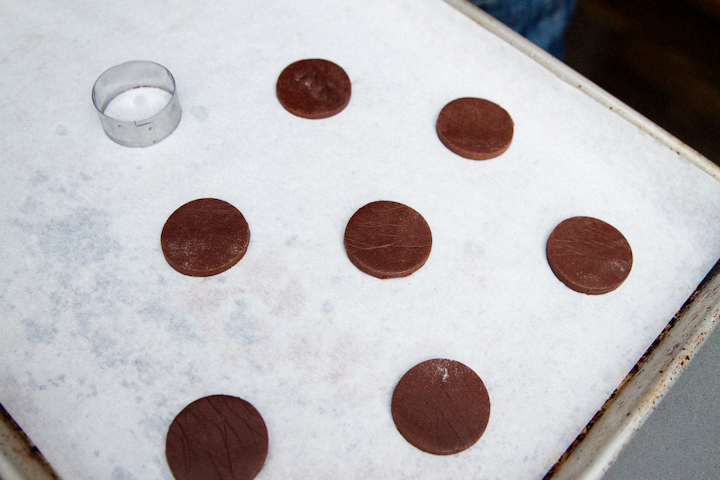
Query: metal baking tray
(598, 444)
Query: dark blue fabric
(543, 22)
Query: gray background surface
(681, 438)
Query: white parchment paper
(103, 343)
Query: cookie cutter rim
(126, 76)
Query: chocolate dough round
(387, 240)
(217, 438)
(204, 237)
(475, 128)
(313, 88)
(589, 255)
(441, 406)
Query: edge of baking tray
(598, 445)
(596, 448)
(19, 458)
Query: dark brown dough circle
(589, 255)
(441, 406)
(217, 438)
(475, 128)
(387, 240)
(313, 88)
(204, 237)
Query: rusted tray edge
(19, 458)
(573, 78)
(598, 445)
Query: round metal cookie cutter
(140, 132)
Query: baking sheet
(104, 343)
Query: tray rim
(20, 459)
(597, 447)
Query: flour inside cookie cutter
(137, 103)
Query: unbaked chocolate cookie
(475, 128)
(441, 406)
(204, 237)
(217, 438)
(388, 240)
(589, 255)
(314, 88)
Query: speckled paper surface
(103, 343)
